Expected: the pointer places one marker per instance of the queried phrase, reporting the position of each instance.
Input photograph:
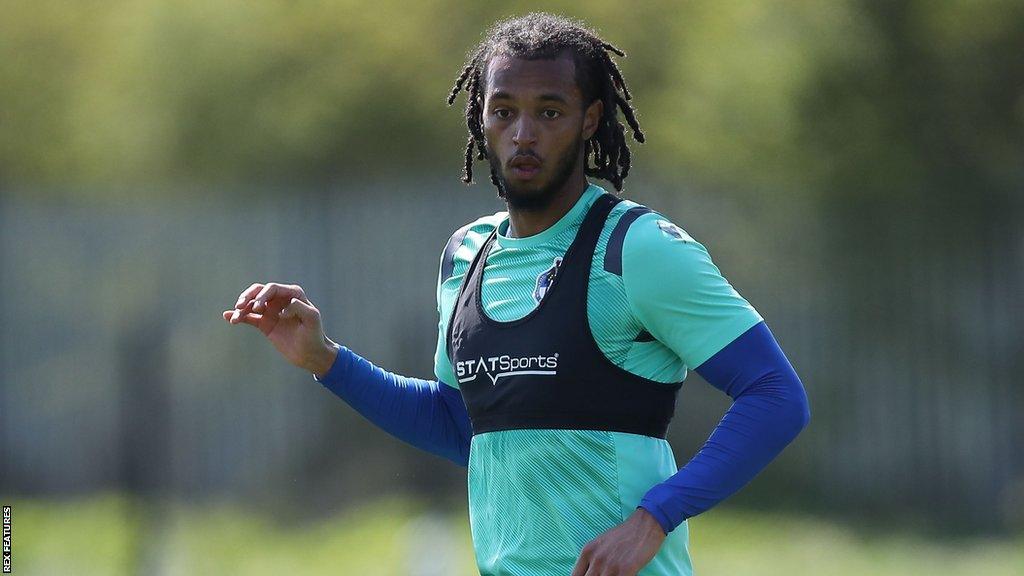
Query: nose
(523, 133)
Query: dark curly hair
(544, 36)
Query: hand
(290, 321)
(623, 550)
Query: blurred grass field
(106, 535)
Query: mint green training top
(520, 479)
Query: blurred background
(854, 167)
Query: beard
(533, 196)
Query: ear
(592, 118)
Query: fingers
(273, 299)
(238, 317)
(596, 568)
(246, 296)
(275, 290)
(300, 310)
(582, 563)
(295, 309)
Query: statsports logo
(498, 367)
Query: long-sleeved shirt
(658, 307)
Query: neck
(522, 223)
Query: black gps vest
(545, 370)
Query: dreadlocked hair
(544, 36)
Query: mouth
(524, 167)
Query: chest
(544, 369)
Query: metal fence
(905, 324)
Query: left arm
(681, 298)
(769, 409)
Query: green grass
(779, 544)
(106, 535)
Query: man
(566, 328)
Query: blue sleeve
(769, 409)
(425, 413)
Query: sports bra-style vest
(545, 370)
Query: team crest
(673, 230)
(545, 279)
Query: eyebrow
(549, 97)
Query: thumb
(299, 310)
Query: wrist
(648, 522)
(324, 358)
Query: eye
(551, 113)
(502, 113)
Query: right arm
(425, 413)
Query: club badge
(545, 279)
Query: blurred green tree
(850, 98)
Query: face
(535, 126)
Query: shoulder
(466, 240)
(653, 231)
(634, 231)
(653, 248)
(663, 265)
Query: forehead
(521, 78)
